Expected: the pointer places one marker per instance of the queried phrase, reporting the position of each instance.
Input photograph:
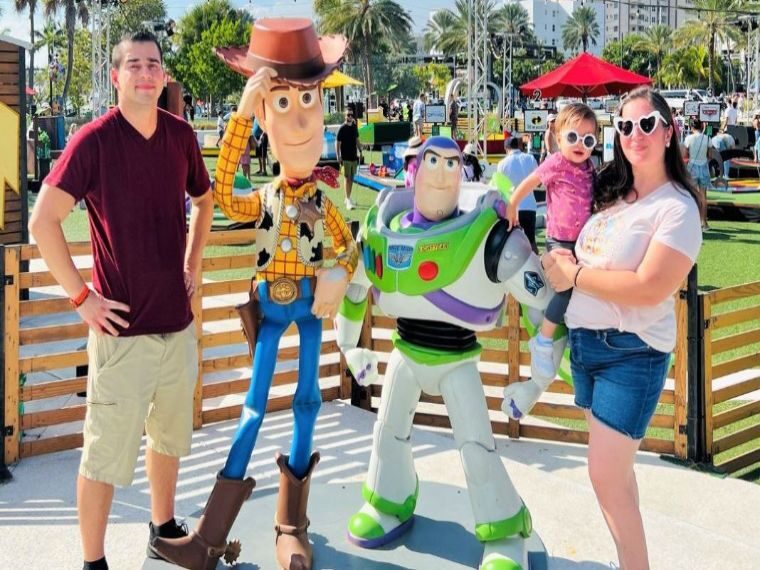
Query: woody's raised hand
(255, 90)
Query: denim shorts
(618, 377)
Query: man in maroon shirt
(132, 167)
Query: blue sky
(18, 24)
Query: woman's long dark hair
(615, 179)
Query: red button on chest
(428, 270)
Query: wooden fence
(731, 321)
(505, 360)
(42, 382)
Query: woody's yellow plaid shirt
(248, 209)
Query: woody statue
(285, 63)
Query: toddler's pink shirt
(569, 188)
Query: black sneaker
(169, 529)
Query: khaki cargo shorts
(349, 168)
(135, 383)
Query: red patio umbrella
(584, 76)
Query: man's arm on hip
(201, 215)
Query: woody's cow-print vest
(309, 223)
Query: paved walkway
(693, 520)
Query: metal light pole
(504, 71)
(511, 88)
(477, 74)
(757, 65)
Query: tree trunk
(70, 27)
(657, 73)
(32, 6)
(367, 74)
(584, 39)
(710, 63)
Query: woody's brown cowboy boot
(203, 547)
(291, 522)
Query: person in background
(721, 142)
(453, 116)
(262, 147)
(679, 123)
(189, 110)
(418, 114)
(549, 145)
(697, 145)
(472, 171)
(72, 131)
(349, 153)
(219, 127)
(409, 113)
(731, 115)
(756, 126)
(410, 161)
(517, 166)
(245, 159)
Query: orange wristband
(77, 301)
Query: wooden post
(695, 401)
(680, 376)
(11, 428)
(196, 305)
(5, 474)
(708, 374)
(513, 355)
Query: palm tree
(447, 31)
(439, 34)
(514, 20)
(684, 67)
(580, 29)
(369, 26)
(73, 10)
(31, 5)
(53, 37)
(657, 41)
(714, 23)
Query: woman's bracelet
(575, 280)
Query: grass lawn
(752, 198)
(729, 257)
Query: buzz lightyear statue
(443, 274)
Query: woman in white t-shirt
(632, 255)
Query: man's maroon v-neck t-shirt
(134, 189)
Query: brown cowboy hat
(291, 47)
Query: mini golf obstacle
(739, 186)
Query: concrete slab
(693, 520)
(436, 540)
